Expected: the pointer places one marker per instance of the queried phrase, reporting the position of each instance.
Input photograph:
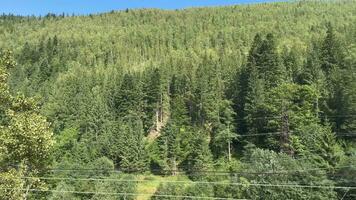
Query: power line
(302, 186)
(279, 117)
(346, 135)
(286, 172)
(292, 171)
(216, 172)
(200, 182)
(278, 133)
(338, 116)
(347, 190)
(121, 194)
(246, 174)
(259, 134)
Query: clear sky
(42, 7)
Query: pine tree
(312, 72)
(292, 107)
(153, 99)
(132, 153)
(224, 135)
(331, 52)
(254, 100)
(243, 82)
(174, 144)
(338, 79)
(128, 97)
(291, 64)
(269, 65)
(199, 159)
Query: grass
(151, 183)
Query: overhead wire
(289, 171)
(280, 116)
(202, 182)
(122, 194)
(347, 190)
(193, 182)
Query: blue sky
(42, 7)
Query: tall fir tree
(132, 152)
(242, 81)
(269, 65)
(153, 99)
(129, 97)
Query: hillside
(236, 102)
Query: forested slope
(248, 101)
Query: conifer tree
(312, 72)
(132, 152)
(225, 134)
(338, 79)
(269, 65)
(291, 64)
(331, 52)
(174, 144)
(254, 101)
(128, 97)
(153, 99)
(243, 82)
(199, 160)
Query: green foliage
(318, 143)
(11, 185)
(63, 192)
(168, 189)
(153, 98)
(199, 160)
(199, 190)
(128, 96)
(28, 140)
(115, 187)
(25, 139)
(258, 160)
(64, 142)
(172, 147)
(132, 152)
(346, 175)
(147, 90)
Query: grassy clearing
(151, 183)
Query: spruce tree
(331, 52)
(174, 144)
(129, 97)
(254, 100)
(338, 79)
(243, 80)
(132, 152)
(225, 134)
(153, 99)
(291, 64)
(199, 160)
(269, 65)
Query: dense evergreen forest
(238, 102)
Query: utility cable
(121, 194)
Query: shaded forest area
(238, 102)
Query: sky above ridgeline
(80, 7)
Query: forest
(235, 102)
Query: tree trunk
(174, 167)
(229, 146)
(285, 137)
